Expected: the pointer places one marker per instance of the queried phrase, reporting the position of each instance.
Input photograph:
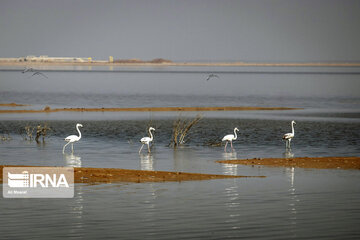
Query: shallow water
(288, 203)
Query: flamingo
(147, 140)
(230, 138)
(288, 136)
(73, 138)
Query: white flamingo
(288, 136)
(147, 140)
(73, 138)
(230, 138)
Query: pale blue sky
(192, 30)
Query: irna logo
(36, 180)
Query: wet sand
(109, 175)
(146, 109)
(305, 162)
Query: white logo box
(38, 182)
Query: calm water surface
(290, 203)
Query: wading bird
(73, 138)
(211, 76)
(288, 136)
(230, 138)
(147, 140)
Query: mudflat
(109, 175)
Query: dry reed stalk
(181, 128)
(41, 131)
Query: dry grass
(5, 137)
(41, 131)
(181, 128)
(28, 133)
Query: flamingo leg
(149, 148)
(225, 146)
(141, 148)
(72, 147)
(290, 143)
(231, 146)
(65, 146)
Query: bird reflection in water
(229, 155)
(229, 169)
(288, 153)
(290, 172)
(147, 162)
(72, 160)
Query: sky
(183, 30)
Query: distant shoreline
(147, 109)
(190, 64)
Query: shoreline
(147, 109)
(195, 64)
(110, 175)
(301, 162)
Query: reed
(181, 128)
(41, 131)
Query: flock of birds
(34, 72)
(147, 140)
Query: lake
(290, 203)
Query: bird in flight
(211, 76)
(38, 73)
(27, 70)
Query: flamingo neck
(151, 136)
(235, 134)
(77, 128)
(292, 127)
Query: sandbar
(12, 105)
(110, 175)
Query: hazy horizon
(247, 30)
